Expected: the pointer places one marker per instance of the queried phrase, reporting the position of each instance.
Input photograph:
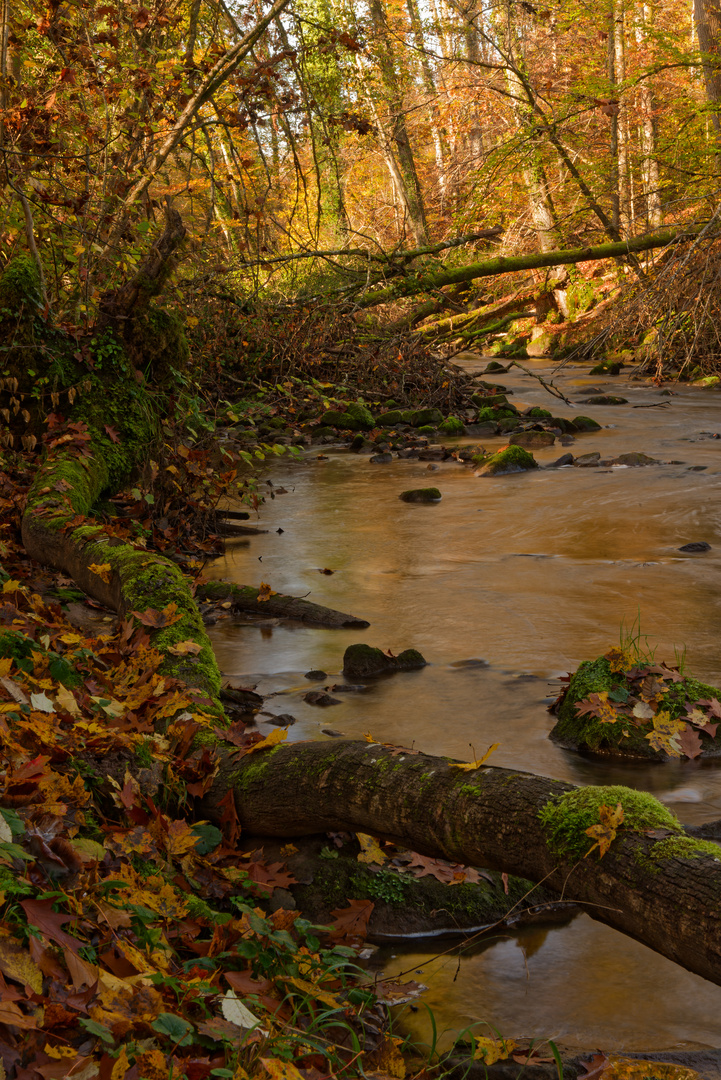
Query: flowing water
(503, 586)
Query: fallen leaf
(281, 1070)
(103, 570)
(352, 921)
(605, 832)
(42, 703)
(278, 735)
(471, 765)
(264, 592)
(491, 1050)
(370, 851)
(185, 648)
(236, 1013)
(17, 964)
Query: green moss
(566, 817)
(684, 847)
(451, 426)
(512, 459)
(501, 413)
(585, 423)
(585, 732)
(158, 338)
(541, 414)
(421, 417)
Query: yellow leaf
(491, 1050)
(264, 592)
(71, 639)
(103, 570)
(65, 699)
(370, 851)
(368, 737)
(191, 320)
(281, 1070)
(387, 1060)
(60, 1052)
(11, 586)
(605, 832)
(278, 735)
(471, 765)
(6, 662)
(313, 991)
(121, 1066)
(665, 733)
(17, 964)
(185, 648)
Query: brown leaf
(157, 619)
(50, 923)
(352, 921)
(690, 742)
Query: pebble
(316, 675)
(696, 545)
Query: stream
(505, 585)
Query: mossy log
(655, 883)
(506, 264)
(278, 605)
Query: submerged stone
(421, 495)
(605, 399)
(364, 661)
(532, 440)
(585, 423)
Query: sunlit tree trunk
(403, 155)
(429, 85)
(534, 174)
(707, 18)
(648, 136)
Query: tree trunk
(707, 17)
(654, 883)
(506, 264)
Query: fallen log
(277, 605)
(654, 883)
(506, 264)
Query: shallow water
(530, 574)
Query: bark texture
(663, 890)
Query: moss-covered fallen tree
(654, 883)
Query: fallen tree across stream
(654, 883)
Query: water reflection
(532, 574)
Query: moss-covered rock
(426, 429)
(334, 418)
(420, 417)
(421, 495)
(513, 459)
(487, 401)
(532, 440)
(617, 705)
(585, 423)
(538, 414)
(390, 419)
(501, 412)
(365, 661)
(452, 426)
(606, 399)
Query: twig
(553, 390)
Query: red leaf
(112, 433)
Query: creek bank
(411, 896)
